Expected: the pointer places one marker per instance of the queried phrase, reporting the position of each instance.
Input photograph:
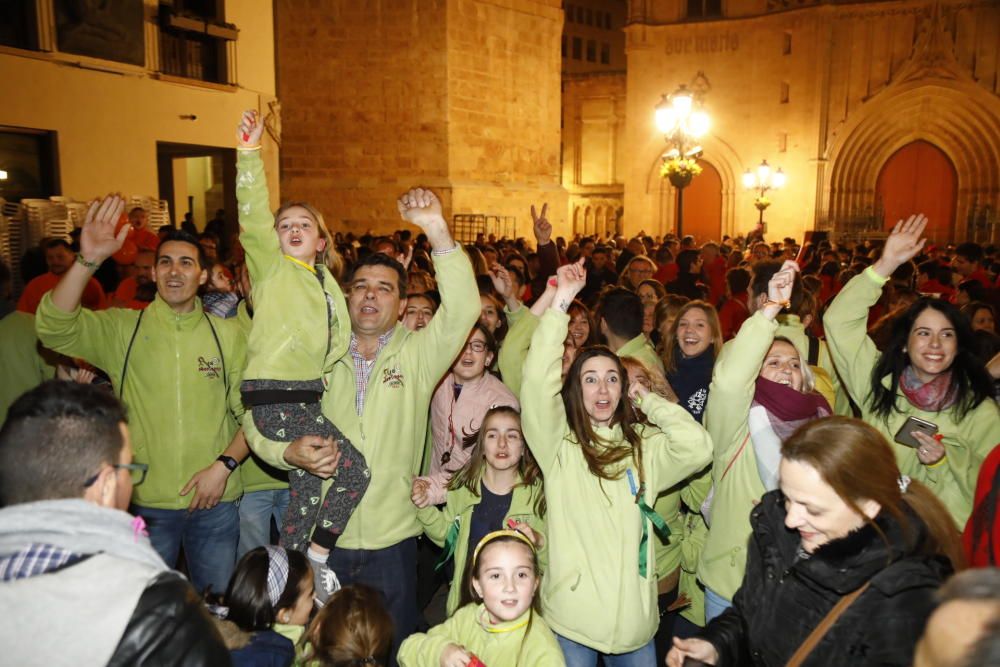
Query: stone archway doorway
(919, 178)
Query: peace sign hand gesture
(541, 226)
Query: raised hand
(420, 206)
(250, 129)
(454, 655)
(571, 279)
(699, 649)
(502, 283)
(637, 390)
(541, 226)
(98, 237)
(779, 290)
(904, 242)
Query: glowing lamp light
(749, 180)
(778, 179)
(763, 173)
(3, 175)
(698, 124)
(666, 117)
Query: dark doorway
(198, 180)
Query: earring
(286, 617)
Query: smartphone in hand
(904, 434)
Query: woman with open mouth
(761, 391)
(929, 370)
(603, 470)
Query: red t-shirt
(987, 477)
(732, 314)
(715, 273)
(93, 295)
(666, 273)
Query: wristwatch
(228, 461)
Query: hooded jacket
(783, 596)
(117, 605)
(593, 592)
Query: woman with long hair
(761, 391)
(695, 341)
(603, 471)
(847, 539)
(928, 371)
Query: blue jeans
(578, 655)
(257, 508)
(209, 538)
(393, 572)
(715, 604)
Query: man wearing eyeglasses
(71, 560)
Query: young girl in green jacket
(500, 626)
(500, 487)
(603, 471)
(288, 354)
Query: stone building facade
(873, 110)
(461, 96)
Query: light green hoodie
(967, 440)
(455, 520)
(527, 640)
(390, 432)
(593, 592)
(181, 415)
(287, 340)
(723, 558)
(639, 348)
(510, 360)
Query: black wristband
(228, 461)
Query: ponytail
(945, 538)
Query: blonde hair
(329, 255)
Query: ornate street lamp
(682, 121)
(762, 180)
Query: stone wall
(461, 96)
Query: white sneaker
(325, 582)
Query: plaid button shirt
(363, 367)
(35, 559)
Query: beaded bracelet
(92, 266)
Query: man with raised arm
(379, 394)
(178, 371)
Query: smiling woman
(844, 518)
(928, 370)
(603, 469)
(761, 392)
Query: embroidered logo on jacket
(696, 402)
(210, 368)
(393, 377)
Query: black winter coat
(170, 627)
(784, 597)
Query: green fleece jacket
(257, 475)
(22, 365)
(182, 411)
(734, 466)
(967, 440)
(639, 348)
(510, 360)
(525, 641)
(390, 431)
(593, 592)
(454, 521)
(287, 341)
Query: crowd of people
(384, 450)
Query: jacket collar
(165, 313)
(844, 564)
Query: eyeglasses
(136, 472)
(476, 346)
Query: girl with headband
(268, 603)
(500, 626)
(501, 486)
